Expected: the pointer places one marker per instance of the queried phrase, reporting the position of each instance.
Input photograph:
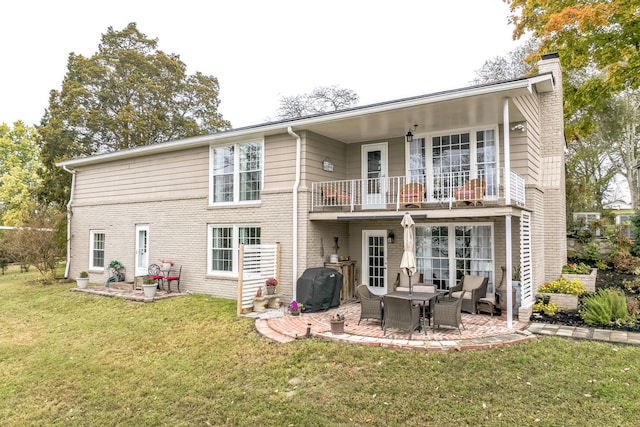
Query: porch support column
(294, 230)
(507, 202)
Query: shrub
(632, 286)
(563, 286)
(550, 308)
(604, 307)
(580, 268)
(625, 263)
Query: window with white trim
(224, 243)
(454, 158)
(236, 172)
(96, 249)
(447, 252)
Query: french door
(374, 173)
(374, 264)
(142, 249)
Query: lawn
(68, 358)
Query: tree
(618, 131)
(19, 165)
(599, 46)
(37, 241)
(509, 67)
(128, 94)
(320, 100)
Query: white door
(142, 249)
(374, 264)
(374, 175)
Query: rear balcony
(431, 191)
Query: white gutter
(296, 185)
(73, 186)
(507, 219)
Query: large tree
(599, 46)
(19, 166)
(128, 94)
(507, 67)
(321, 100)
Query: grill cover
(319, 289)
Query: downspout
(73, 186)
(296, 185)
(507, 201)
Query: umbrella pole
(410, 288)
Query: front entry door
(374, 175)
(374, 256)
(142, 249)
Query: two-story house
(481, 170)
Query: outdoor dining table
(420, 297)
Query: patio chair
(475, 287)
(156, 274)
(333, 195)
(370, 305)
(412, 195)
(448, 313)
(174, 278)
(471, 191)
(400, 313)
(402, 280)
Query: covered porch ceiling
(430, 116)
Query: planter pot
(82, 282)
(337, 327)
(165, 266)
(271, 290)
(149, 290)
(563, 301)
(295, 313)
(588, 280)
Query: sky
(260, 50)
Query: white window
(584, 219)
(454, 158)
(96, 249)
(628, 230)
(447, 252)
(224, 242)
(236, 172)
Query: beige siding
(182, 174)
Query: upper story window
(236, 172)
(96, 249)
(454, 158)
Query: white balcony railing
(446, 189)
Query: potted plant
(337, 323)
(149, 287)
(83, 280)
(295, 308)
(271, 283)
(166, 264)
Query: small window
(96, 253)
(224, 243)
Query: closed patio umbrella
(408, 262)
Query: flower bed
(588, 280)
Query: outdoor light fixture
(391, 237)
(409, 135)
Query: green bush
(580, 268)
(604, 307)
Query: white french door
(142, 249)
(374, 173)
(374, 260)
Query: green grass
(68, 358)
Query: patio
(481, 331)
